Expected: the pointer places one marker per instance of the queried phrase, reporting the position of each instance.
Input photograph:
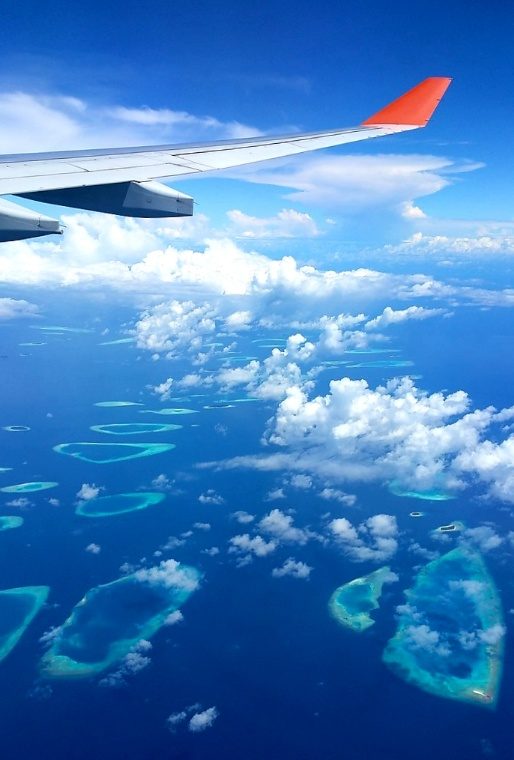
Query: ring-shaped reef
(119, 504)
(98, 453)
(426, 495)
(16, 428)
(112, 618)
(168, 412)
(18, 608)
(114, 404)
(32, 487)
(450, 635)
(352, 603)
(8, 522)
(133, 428)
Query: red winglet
(415, 107)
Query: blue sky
(289, 66)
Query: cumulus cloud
(293, 569)
(93, 548)
(203, 720)
(133, 662)
(248, 547)
(375, 539)
(211, 497)
(243, 517)
(11, 308)
(393, 317)
(280, 526)
(288, 223)
(88, 491)
(168, 573)
(175, 327)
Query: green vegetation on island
(450, 636)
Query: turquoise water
(111, 619)
(169, 412)
(352, 604)
(8, 522)
(118, 504)
(428, 495)
(29, 487)
(133, 428)
(382, 364)
(455, 597)
(104, 453)
(18, 607)
(109, 404)
(117, 342)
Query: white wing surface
(121, 180)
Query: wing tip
(413, 108)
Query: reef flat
(8, 522)
(118, 504)
(428, 495)
(382, 364)
(18, 608)
(111, 619)
(16, 428)
(98, 453)
(40, 485)
(352, 603)
(109, 404)
(168, 412)
(450, 636)
(133, 428)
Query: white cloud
(357, 183)
(175, 327)
(293, 569)
(163, 390)
(168, 573)
(392, 317)
(256, 546)
(54, 122)
(11, 308)
(287, 223)
(174, 618)
(243, 517)
(484, 537)
(211, 497)
(93, 548)
(88, 491)
(375, 539)
(280, 526)
(202, 720)
(423, 637)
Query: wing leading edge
(121, 181)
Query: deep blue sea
(286, 680)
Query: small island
(352, 604)
(118, 504)
(18, 608)
(105, 453)
(111, 619)
(450, 635)
(115, 404)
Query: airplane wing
(122, 180)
